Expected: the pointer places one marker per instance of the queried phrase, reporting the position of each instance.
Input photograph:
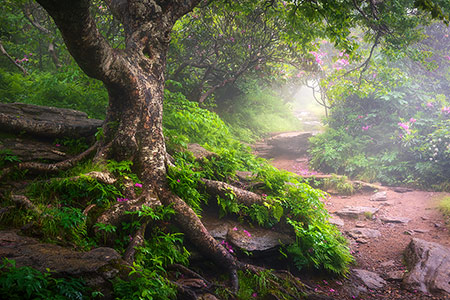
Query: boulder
(357, 211)
(97, 267)
(46, 121)
(370, 279)
(257, 239)
(429, 265)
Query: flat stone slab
(429, 265)
(370, 279)
(363, 233)
(257, 239)
(400, 220)
(244, 237)
(335, 220)
(357, 211)
(380, 196)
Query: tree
(134, 77)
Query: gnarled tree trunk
(134, 78)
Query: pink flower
(234, 228)
(138, 185)
(178, 180)
(122, 199)
(232, 39)
(404, 126)
(255, 295)
(57, 145)
(412, 120)
(446, 110)
(247, 233)
(332, 290)
(360, 117)
(264, 195)
(365, 128)
(429, 104)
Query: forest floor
(383, 254)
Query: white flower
(431, 158)
(439, 139)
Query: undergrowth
(28, 283)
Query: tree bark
(134, 78)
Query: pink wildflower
(234, 228)
(365, 128)
(412, 120)
(178, 180)
(446, 110)
(429, 104)
(57, 145)
(138, 185)
(255, 295)
(247, 233)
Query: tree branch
(3, 51)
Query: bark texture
(134, 78)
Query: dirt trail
(382, 254)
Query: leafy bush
(401, 137)
(444, 207)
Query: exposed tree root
(242, 196)
(41, 167)
(23, 201)
(136, 241)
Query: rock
(357, 211)
(360, 225)
(242, 236)
(429, 265)
(257, 239)
(335, 220)
(402, 189)
(207, 297)
(46, 121)
(97, 266)
(380, 196)
(364, 233)
(245, 176)
(370, 279)
(395, 275)
(361, 241)
(290, 143)
(418, 230)
(199, 152)
(395, 220)
(389, 263)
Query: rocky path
(379, 227)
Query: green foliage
(264, 284)
(148, 272)
(70, 88)
(339, 184)
(257, 113)
(28, 283)
(65, 224)
(73, 146)
(444, 207)
(7, 157)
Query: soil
(383, 254)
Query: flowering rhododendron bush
(392, 123)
